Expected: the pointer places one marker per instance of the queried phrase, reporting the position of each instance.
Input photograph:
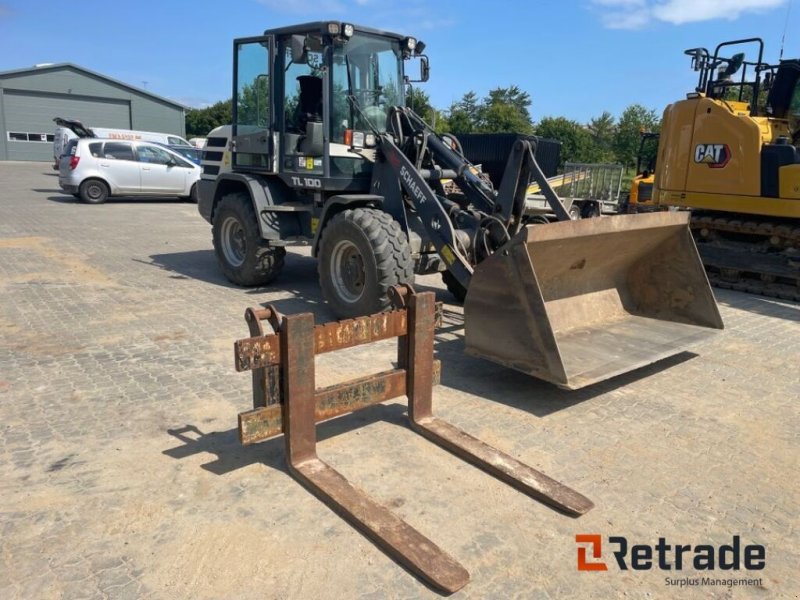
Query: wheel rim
(347, 271)
(234, 243)
(94, 191)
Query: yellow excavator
(729, 152)
(640, 197)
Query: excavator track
(750, 255)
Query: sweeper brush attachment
(287, 401)
(577, 302)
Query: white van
(68, 129)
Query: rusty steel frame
(286, 400)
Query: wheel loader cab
(308, 99)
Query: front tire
(93, 191)
(362, 253)
(243, 256)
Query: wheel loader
(322, 151)
(730, 152)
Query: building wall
(29, 100)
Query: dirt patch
(72, 268)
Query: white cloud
(634, 14)
(689, 11)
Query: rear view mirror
(299, 49)
(424, 71)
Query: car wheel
(590, 210)
(192, 197)
(362, 253)
(93, 191)
(243, 256)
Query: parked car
(69, 129)
(190, 152)
(93, 170)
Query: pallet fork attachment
(286, 400)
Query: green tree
(633, 120)
(602, 130)
(420, 102)
(199, 121)
(505, 110)
(253, 103)
(497, 117)
(463, 116)
(576, 141)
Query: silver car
(93, 169)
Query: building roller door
(29, 119)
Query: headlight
(410, 44)
(333, 28)
(347, 30)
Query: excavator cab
(640, 198)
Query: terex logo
(666, 557)
(716, 156)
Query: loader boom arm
(488, 212)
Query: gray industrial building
(31, 98)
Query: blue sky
(575, 59)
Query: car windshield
(370, 69)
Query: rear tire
(362, 253)
(590, 210)
(243, 256)
(458, 291)
(93, 191)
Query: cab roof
(322, 27)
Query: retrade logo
(669, 557)
(716, 156)
(591, 542)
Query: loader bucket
(577, 302)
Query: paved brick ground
(121, 475)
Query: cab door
(253, 143)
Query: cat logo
(716, 156)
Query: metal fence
(593, 181)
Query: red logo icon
(595, 541)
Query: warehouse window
(19, 136)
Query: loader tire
(362, 253)
(244, 257)
(453, 286)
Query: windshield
(369, 68)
